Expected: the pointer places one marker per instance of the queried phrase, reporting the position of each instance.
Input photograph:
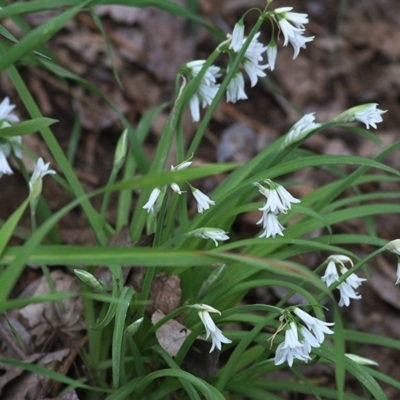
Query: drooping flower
(203, 201)
(316, 326)
(10, 144)
(5, 150)
(301, 129)
(207, 89)
(35, 183)
(279, 200)
(369, 114)
(252, 58)
(212, 330)
(271, 225)
(237, 37)
(348, 286)
(394, 247)
(149, 206)
(293, 33)
(299, 339)
(5, 113)
(272, 52)
(235, 90)
(210, 233)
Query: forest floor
(354, 59)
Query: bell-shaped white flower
(348, 286)
(35, 183)
(5, 150)
(237, 37)
(271, 225)
(235, 90)
(203, 201)
(207, 89)
(252, 58)
(272, 52)
(279, 200)
(210, 233)
(212, 330)
(5, 113)
(316, 326)
(369, 114)
(394, 247)
(292, 33)
(149, 206)
(301, 129)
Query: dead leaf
(44, 319)
(170, 335)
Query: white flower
(272, 52)
(290, 354)
(252, 57)
(299, 19)
(237, 37)
(309, 339)
(271, 225)
(331, 274)
(370, 115)
(35, 183)
(4, 166)
(291, 337)
(207, 88)
(212, 330)
(293, 34)
(279, 200)
(291, 348)
(235, 90)
(210, 233)
(348, 286)
(317, 327)
(300, 129)
(203, 201)
(5, 112)
(394, 246)
(347, 293)
(183, 165)
(149, 206)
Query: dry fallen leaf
(170, 335)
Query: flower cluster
(279, 200)
(203, 201)
(346, 287)
(292, 33)
(11, 144)
(300, 338)
(212, 330)
(252, 62)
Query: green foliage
(136, 366)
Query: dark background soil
(354, 59)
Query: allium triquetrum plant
(166, 314)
